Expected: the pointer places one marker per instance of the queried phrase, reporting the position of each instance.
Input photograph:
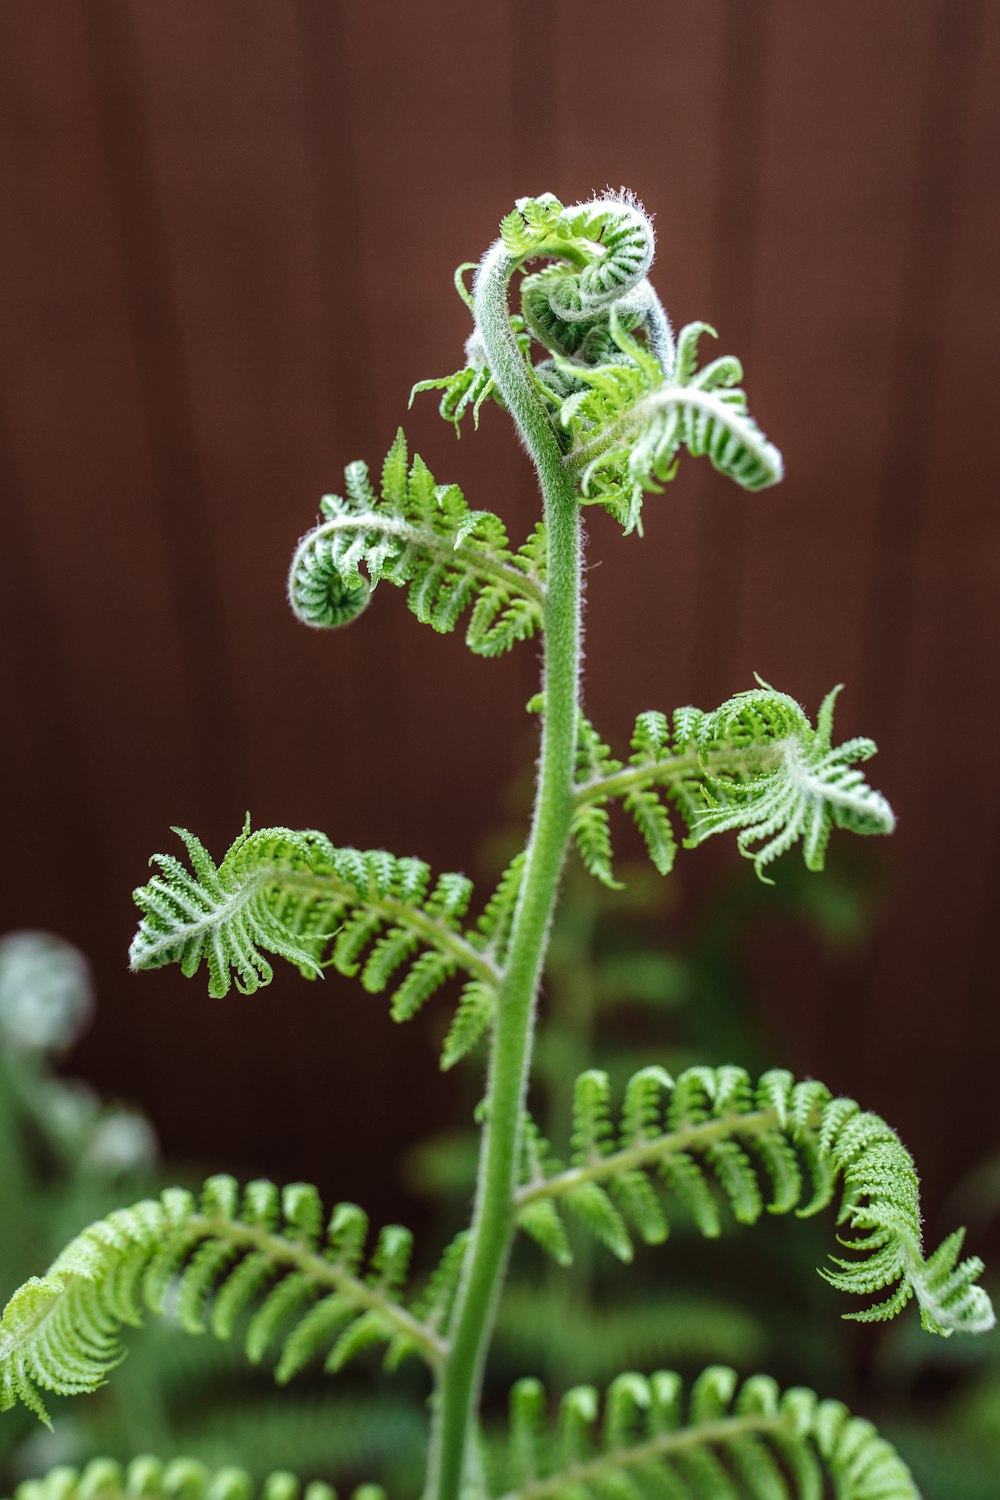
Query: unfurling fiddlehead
(264, 1257)
(778, 1145)
(631, 420)
(420, 535)
(755, 765)
(624, 397)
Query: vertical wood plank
(91, 538)
(937, 620)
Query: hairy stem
(494, 1215)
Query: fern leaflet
(470, 387)
(810, 787)
(294, 894)
(755, 765)
(653, 1441)
(779, 1145)
(591, 827)
(264, 1254)
(148, 1478)
(420, 535)
(629, 418)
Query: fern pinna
(422, 535)
(756, 764)
(180, 1479)
(266, 1260)
(713, 1137)
(607, 401)
(365, 913)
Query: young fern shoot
(607, 400)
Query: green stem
(631, 1158)
(494, 1217)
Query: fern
(591, 826)
(755, 765)
(604, 413)
(777, 1145)
(179, 1479)
(295, 895)
(211, 1262)
(420, 535)
(629, 419)
(366, 914)
(811, 786)
(740, 1442)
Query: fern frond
(721, 1439)
(712, 1134)
(469, 388)
(590, 828)
(264, 1255)
(294, 894)
(178, 1479)
(604, 249)
(755, 765)
(531, 224)
(628, 421)
(609, 241)
(477, 1003)
(422, 536)
(810, 787)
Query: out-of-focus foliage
(66, 1158)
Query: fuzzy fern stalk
(607, 401)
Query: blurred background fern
(69, 1157)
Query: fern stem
(744, 762)
(431, 930)
(610, 1464)
(322, 1273)
(443, 548)
(494, 1218)
(607, 1168)
(706, 1434)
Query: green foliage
(264, 1255)
(746, 1441)
(180, 1479)
(755, 765)
(66, 1155)
(811, 788)
(422, 536)
(779, 1146)
(604, 413)
(294, 894)
(631, 418)
(626, 399)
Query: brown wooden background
(227, 239)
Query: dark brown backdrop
(225, 254)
